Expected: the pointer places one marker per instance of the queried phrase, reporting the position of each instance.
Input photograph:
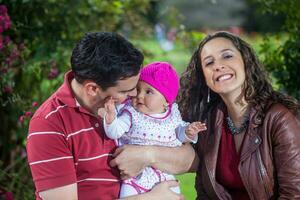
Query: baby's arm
(115, 126)
(193, 129)
(189, 132)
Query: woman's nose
(218, 66)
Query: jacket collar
(251, 142)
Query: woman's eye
(209, 63)
(227, 56)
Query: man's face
(124, 89)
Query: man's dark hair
(105, 58)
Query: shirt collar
(65, 93)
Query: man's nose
(132, 93)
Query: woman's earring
(208, 95)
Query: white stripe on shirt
(50, 160)
(93, 158)
(54, 111)
(98, 179)
(45, 133)
(81, 130)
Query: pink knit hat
(162, 76)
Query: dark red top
(66, 144)
(227, 173)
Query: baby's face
(149, 100)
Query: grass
(187, 185)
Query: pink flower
(15, 53)
(4, 70)
(21, 119)
(6, 40)
(5, 22)
(34, 104)
(9, 196)
(22, 46)
(3, 9)
(9, 61)
(53, 73)
(7, 89)
(28, 113)
(1, 40)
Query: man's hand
(131, 160)
(194, 128)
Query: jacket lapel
(252, 140)
(211, 151)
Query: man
(69, 155)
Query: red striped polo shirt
(66, 144)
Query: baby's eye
(149, 92)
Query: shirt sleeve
(47, 151)
(119, 126)
(182, 125)
(182, 137)
(286, 151)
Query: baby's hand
(194, 128)
(110, 109)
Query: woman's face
(223, 67)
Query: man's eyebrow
(128, 90)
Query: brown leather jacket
(270, 156)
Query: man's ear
(91, 88)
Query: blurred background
(37, 37)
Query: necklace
(233, 129)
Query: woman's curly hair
(258, 91)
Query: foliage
(36, 38)
(284, 61)
(187, 183)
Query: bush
(36, 38)
(284, 61)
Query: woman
(251, 149)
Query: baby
(151, 118)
